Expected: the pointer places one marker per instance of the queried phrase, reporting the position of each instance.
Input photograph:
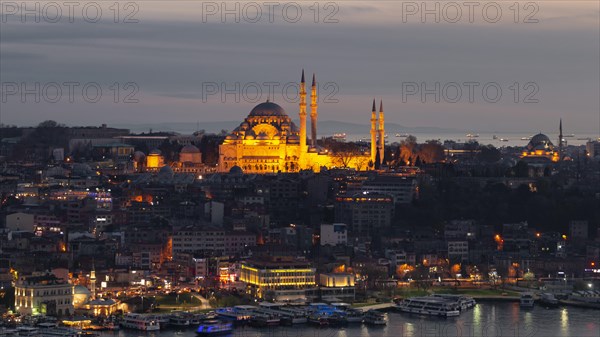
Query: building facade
(43, 295)
(282, 278)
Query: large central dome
(267, 109)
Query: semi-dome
(190, 149)
(268, 109)
(236, 170)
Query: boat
(354, 316)
(319, 320)
(430, 305)
(8, 332)
(337, 318)
(179, 321)
(569, 135)
(503, 140)
(526, 300)
(56, 331)
(238, 314)
(262, 320)
(403, 135)
(27, 331)
(163, 320)
(140, 322)
(464, 302)
(211, 328)
(339, 136)
(472, 135)
(548, 300)
(374, 317)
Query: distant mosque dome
(236, 170)
(190, 154)
(190, 149)
(139, 156)
(79, 289)
(539, 141)
(267, 109)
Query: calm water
(512, 139)
(501, 319)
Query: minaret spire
(560, 140)
(302, 148)
(313, 113)
(381, 133)
(373, 133)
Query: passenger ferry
(179, 321)
(238, 314)
(214, 328)
(262, 320)
(140, 322)
(354, 316)
(286, 314)
(374, 317)
(465, 302)
(430, 305)
(527, 300)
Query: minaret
(302, 148)
(560, 141)
(93, 283)
(313, 113)
(381, 133)
(373, 132)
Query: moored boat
(140, 322)
(548, 300)
(319, 320)
(374, 317)
(430, 305)
(526, 300)
(214, 328)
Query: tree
(431, 152)
(344, 153)
(489, 154)
(408, 150)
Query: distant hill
(324, 127)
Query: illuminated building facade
(155, 160)
(267, 141)
(336, 286)
(285, 277)
(540, 148)
(43, 294)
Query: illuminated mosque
(267, 141)
(540, 148)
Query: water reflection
(564, 321)
(503, 319)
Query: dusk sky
(369, 52)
